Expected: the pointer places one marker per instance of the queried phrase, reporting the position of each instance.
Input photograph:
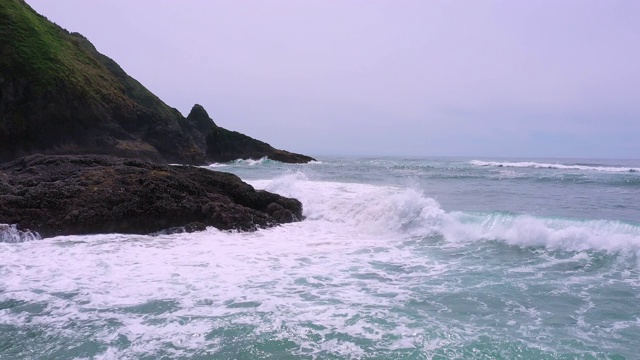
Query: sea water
(398, 258)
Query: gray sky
(535, 78)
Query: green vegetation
(33, 48)
(61, 96)
(29, 42)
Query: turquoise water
(398, 259)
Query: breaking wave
(250, 162)
(242, 162)
(11, 234)
(384, 209)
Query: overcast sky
(537, 78)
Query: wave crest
(369, 208)
(556, 234)
(242, 162)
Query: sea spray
(11, 234)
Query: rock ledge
(89, 194)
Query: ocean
(398, 258)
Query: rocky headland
(89, 194)
(85, 146)
(61, 96)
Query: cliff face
(61, 96)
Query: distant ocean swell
(583, 167)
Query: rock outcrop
(88, 194)
(61, 96)
(224, 145)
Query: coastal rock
(61, 96)
(61, 195)
(224, 145)
(199, 118)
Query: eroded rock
(87, 194)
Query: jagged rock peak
(198, 114)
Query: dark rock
(60, 195)
(195, 226)
(224, 145)
(280, 213)
(200, 119)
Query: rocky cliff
(61, 96)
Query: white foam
(216, 280)
(245, 162)
(252, 163)
(240, 162)
(528, 164)
(561, 234)
(368, 208)
(213, 166)
(11, 234)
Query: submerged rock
(88, 194)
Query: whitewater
(398, 258)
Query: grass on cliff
(37, 50)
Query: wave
(242, 162)
(366, 207)
(583, 167)
(384, 209)
(11, 234)
(250, 162)
(551, 233)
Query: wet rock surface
(88, 194)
